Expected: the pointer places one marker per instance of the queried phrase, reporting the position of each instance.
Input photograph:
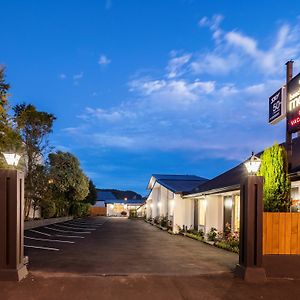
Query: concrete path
(206, 287)
(126, 247)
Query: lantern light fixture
(12, 159)
(252, 164)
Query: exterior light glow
(159, 204)
(228, 203)
(12, 159)
(253, 164)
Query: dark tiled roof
(231, 179)
(122, 201)
(179, 183)
(177, 177)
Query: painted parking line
(82, 223)
(36, 231)
(66, 231)
(88, 224)
(73, 227)
(43, 248)
(48, 240)
(70, 236)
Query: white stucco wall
(214, 212)
(183, 212)
(154, 208)
(163, 201)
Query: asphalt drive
(113, 259)
(119, 246)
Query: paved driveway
(117, 246)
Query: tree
(92, 195)
(69, 184)
(34, 127)
(277, 186)
(41, 193)
(9, 138)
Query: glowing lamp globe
(252, 164)
(12, 159)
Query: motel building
(166, 198)
(107, 204)
(211, 203)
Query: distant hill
(123, 194)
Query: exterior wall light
(12, 159)
(228, 203)
(252, 164)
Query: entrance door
(196, 214)
(227, 211)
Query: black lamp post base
(250, 274)
(13, 274)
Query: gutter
(214, 191)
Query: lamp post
(12, 267)
(250, 267)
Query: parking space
(57, 237)
(118, 246)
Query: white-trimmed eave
(151, 183)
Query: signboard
(293, 114)
(277, 106)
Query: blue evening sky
(151, 86)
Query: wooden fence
(281, 233)
(98, 211)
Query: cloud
(209, 103)
(215, 64)
(214, 25)
(103, 60)
(106, 115)
(256, 88)
(62, 76)
(77, 77)
(173, 91)
(176, 64)
(247, 44)
(235, 50)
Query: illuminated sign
(277, 106)
(293, 114)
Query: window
(236, 225)
(202, 211)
